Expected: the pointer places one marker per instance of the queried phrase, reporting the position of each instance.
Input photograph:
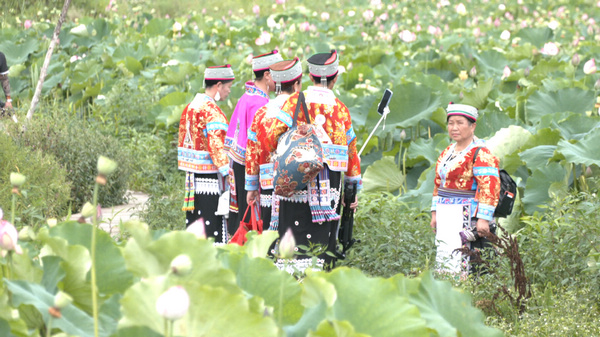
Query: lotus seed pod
(17, 179)
(88, 210)
(181, 265)
(106, 166)
(62, 300)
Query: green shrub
(394, 239)
(77, 145)
(45, 193)
(555, 245)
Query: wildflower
(463, 75)
(181, 265)
(287, 245)
(549, 49)
(173, 303)
(589, 67)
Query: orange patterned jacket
(202, 130)
(457, 171)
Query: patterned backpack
(299, 155)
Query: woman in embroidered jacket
(465, 193)
(313, 213)
(201, 152)
(287, 76)
(255, 97)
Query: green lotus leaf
(383, 175)
(258, 245)
(478, 97)
(175, 74)
(410, 104)
(577, 126)
(585, 151)
(133, 65)
(74, 321)
(448, 311)
(420, 197)
(490, 63)
(157, 26)
(392, 316)
(211, 311)
(260, 277)
(158, 45)
(566, 100)
(76, 264)
(538, 156)
(112, 276)
(544, 136)
(428, 149)
(137, 331)
(176, 98)
(536, 189)
(491, 120)
(335, 329)
(535, 36)
(146, 259)
(508, 140)
(53, 273)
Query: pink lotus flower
(431, 30)
(305, 26)
(589, 67)
(407, 36)
(368, 15)
(506, 72)
(197, 228)
(9, 238)
(264, 38)
(549, 49)
(280, 2)
(256, 9)
(324, 16)
(27, 24)
(173, 303)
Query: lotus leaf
(585, 151)
(566, 100)
(536, 189)
(383, 175)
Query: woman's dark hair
(258, 75)
(288, 88)
(210, 83)
(469, 119)
(329, 78)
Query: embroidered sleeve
(252, 147)
(485, 173)
(280, 124)
(216, 129)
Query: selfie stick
(386, 111)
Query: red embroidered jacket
(202, 130)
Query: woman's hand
(353, 205)
(483, 227)
(251, 197)
(433, 223)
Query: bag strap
(301, 100)
(475, 155)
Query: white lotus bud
(173, 303)
(181, 265)
(287, 245)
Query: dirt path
(113, 216)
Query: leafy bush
(555, 245)
(46, 191)
(77, 145)
(394, 239)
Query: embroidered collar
(252, 89)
